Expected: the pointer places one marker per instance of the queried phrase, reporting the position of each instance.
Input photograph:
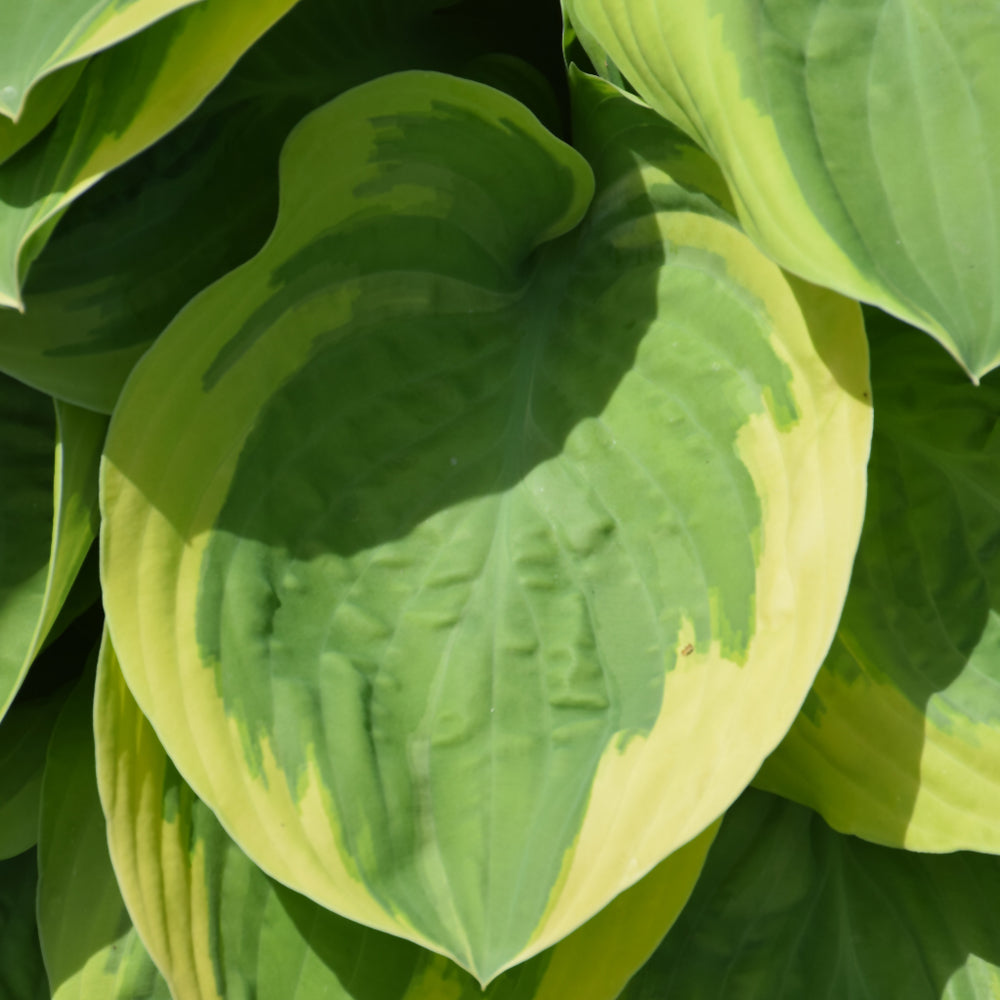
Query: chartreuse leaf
(24, 739)
(787, 909)
(88, 942)
(40, 37)
(898, 741)
(22, 974)
(219, 927)
(466, 571)
(127, 98)
(135, 248)
(858, 138)
(47, 521)
(43, 103)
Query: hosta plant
(503, 434)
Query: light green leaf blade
(43, 103)
(24, 740)
(135, 248)
(442, 501)
(898, 740)
(858, 139)
(127, 97)
(219, 927)
(22, 974)
(90, 947)
(787, 909)
(42, 36)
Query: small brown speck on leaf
(687, 650)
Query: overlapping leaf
(898, 741)
(90, 948)
(786, 909)
(43, 103)
(133, 250)
(127, 97)
(859, 139)
(42, 36)
(47, 522)
(545, 536)
(219, 927)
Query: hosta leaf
(44, 35)
(786, 909)
(859, 139)
(219, 927)
(134, 249)
(423, 487)
(46, 524)
(127, 98)
(898, 741)
(91, 949)
(43, 103)
(24, 739)
(22, 974)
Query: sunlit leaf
(898, 741)
(219, 927)
(544, 526)
(859, 139)
(127, 97)
(41, 36)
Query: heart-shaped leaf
(406, 549)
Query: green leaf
(42, 105)
(134, 249)
(47, 521)
(219, 927)
(24, 739)
(22, 974)
(857, 139)
(90, 947)
(42, 36)
(423, 487)
(127, 97)
(898, 740)
(786, 909)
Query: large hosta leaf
(786, 909)
(91, 949)
(898, 741)
(46, 526)
(40, 36)
(196, 898)
(467, 572)
(127, 97)
(135, 248)
(859, 139)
